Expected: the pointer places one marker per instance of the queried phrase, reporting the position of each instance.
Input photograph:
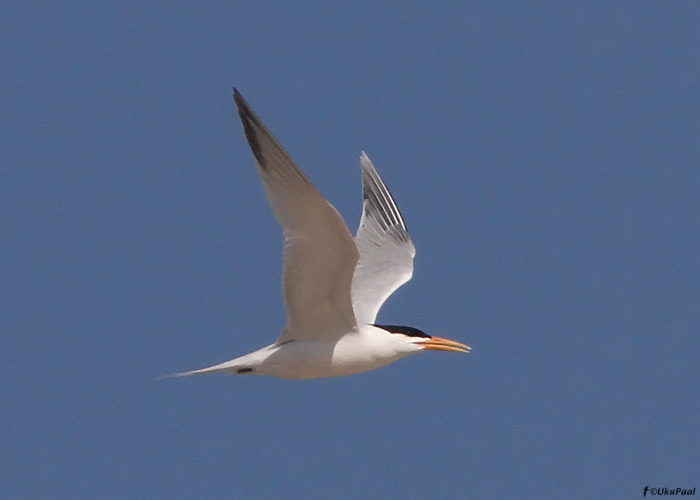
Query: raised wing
(319, 252)
(386, 250)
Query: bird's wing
(319, 251)
(386, 250)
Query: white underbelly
(305, 359)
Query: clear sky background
(545, 156)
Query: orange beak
(440, 344)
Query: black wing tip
(238, 98)
(251, 124)
(378, 195)
(244, 109)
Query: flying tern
(333, 284)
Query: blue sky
(545, 158)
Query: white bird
(333, 285)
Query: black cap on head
(405, 330)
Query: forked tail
(233, 367)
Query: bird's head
(428, 342)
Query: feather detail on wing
(319, 252)
(386, 250)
